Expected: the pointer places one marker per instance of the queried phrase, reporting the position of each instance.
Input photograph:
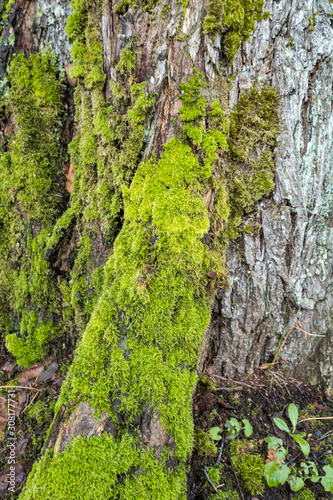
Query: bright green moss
(250, 466)
(156, 301)
(102, 459)
(30, 169)
(31, 193)
(234, 20)
(127, 61)
(225, 495)
(305, 494)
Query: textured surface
(291, 257)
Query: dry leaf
(30, 374)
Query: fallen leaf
(23, 398)
(211, 275)
(7, 367)
(48, 374)
(18, 476)
(4, 411)
(271, 457)
(319, 407)
(30, 374)
(20, 446)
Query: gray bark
(291, 258)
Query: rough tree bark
(280, 272)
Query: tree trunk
(183, 116)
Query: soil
(259, 398)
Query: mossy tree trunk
(171, 210)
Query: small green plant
(235, 427)
(299, 438)
(278, 472)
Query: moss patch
(250, 466)
(142, 343)
(32, 196)
(234, 20)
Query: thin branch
(315, 418)
(237, 382)
(33, 399)
(220, 454)
(19, 387)
(210, 481)
(308, 333)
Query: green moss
(305, 494)
(234, 20)
(30, 169)
(37, 303)
(105, 154)
(123, 5)
(254, 128)
(31, 194)
(225, 495)
(203, 444)
(214, 474)
(102, 458)
(127, 61)
(249, 466)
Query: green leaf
(293, 415)
(273, 442)
(233, 423)
(327, 480)
(295, 483)
(234, 427)
(276, 444)
(281, 424)
(214, 433)
(310, 471)
(275, 473)
(304, 445)
(248, 429)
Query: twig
(232, 465)
(228, 388)
(220, 454)
(237, 382)
(308, 333)
(19, 387)
(33, 399)
(325, 452)
(314, 418)
(210, 481)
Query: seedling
(299, 438)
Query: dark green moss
(123, 5)
(254, 128)
(203, 444)
(250, 466)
